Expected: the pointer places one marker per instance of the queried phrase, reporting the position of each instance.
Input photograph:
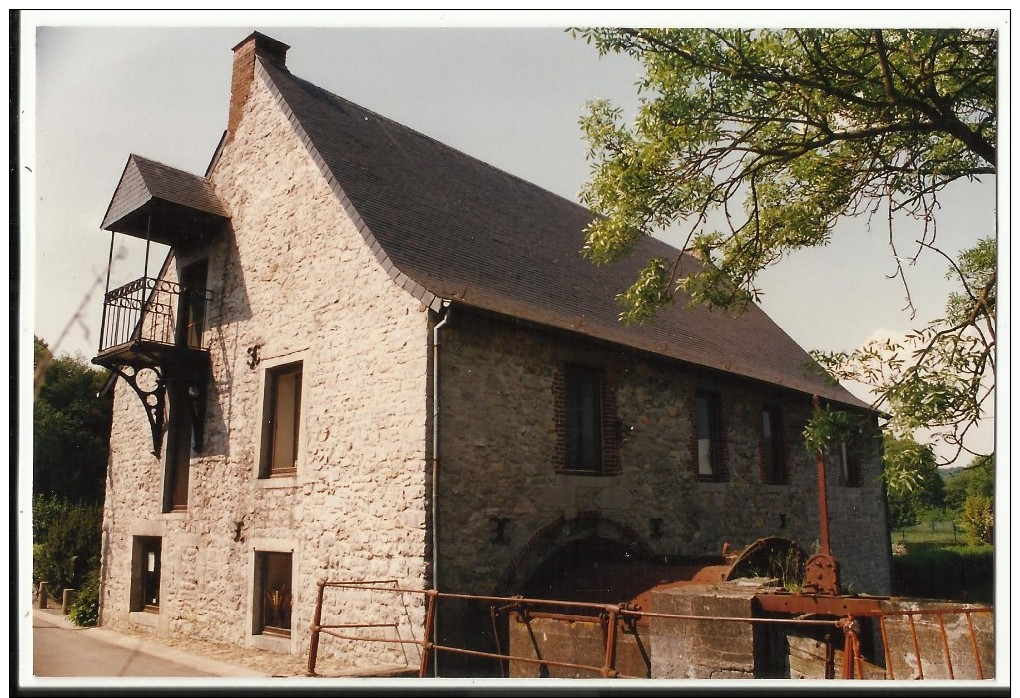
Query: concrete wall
(295, 279)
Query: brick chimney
(256, 44)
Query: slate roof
(183, 200)
(449, 226)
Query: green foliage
(759, 141)
(84, 611)
(961, 573)
(978, 478)
(914, 487)
(71, 428)
(66, 543)
(828, 426)
(977, 519)
(799, 127)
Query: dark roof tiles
(464, 230)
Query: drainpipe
(446, 312)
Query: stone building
(369, 356)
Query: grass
(939, 564)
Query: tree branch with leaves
(757, 142)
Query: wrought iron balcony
(150, 321)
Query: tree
(758, 142)
(927, 493)
(71, 428)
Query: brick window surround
(587, 433)
(708, 445)
(773, 450)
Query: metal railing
(618, 618)
(147, 309)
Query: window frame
(143, 579)
(716, 440)
(582, 394)
(270, 436)
(261, 595)
(849, 467)
(178, 452)
(774, 469)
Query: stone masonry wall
(295, 279)
(497, 450)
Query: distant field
(941, 534)
(940, 564)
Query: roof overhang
(156, 202)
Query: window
(145, 567)
(273, 576)
(583, 405)
(587, 432)
(847, 460)
(191, 309)
(708, 434)
(178, 448)
(773, 465)
(281, 421)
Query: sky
(506, 88)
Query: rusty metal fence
(896, 629)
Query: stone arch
(618, 544)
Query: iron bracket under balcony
(152, 336)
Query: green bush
(85, 609)
(67, 542)
(959, 573)
(976, 519)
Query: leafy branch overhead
(772, 136)
(757, 142)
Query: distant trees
(71, 434)
(971, 494)
(908, 507)
(70, 428)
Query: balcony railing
(153, 311)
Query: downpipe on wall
(446, 311)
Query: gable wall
(294, 278)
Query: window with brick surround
(273, 586)
(846, 457)
(772, 448)
(146, 554)
(281, 421)
(586, 431)
(708, 436)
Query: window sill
(713, 485)
(271, 643)
(278, 481)
(596, 474)
(147, 618)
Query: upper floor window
(177, 466)
(773, 460)
(847, 460)
(281, 421)
(585, 417)
(709, 436)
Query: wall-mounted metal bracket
(253, 352)
(154, 400)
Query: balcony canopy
(165, 205)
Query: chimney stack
(256, 44)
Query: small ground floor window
(273, 576)
(145, 568)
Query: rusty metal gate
(903, 634)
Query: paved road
(61, 651)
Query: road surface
(62, 651)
